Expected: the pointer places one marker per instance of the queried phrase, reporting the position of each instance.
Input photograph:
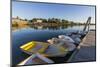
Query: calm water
(24, 34)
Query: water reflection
(41, 27)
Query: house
(38, 21)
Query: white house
(38, 21)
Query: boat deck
(87, 51)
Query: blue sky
(30, 10)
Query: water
(24, 34)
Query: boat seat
(35, 47)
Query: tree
(17, 17)
(25, 19)
(30, 21)
(72, 23)
(34, 19)
(44, 20)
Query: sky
(76, 13)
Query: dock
(86, 50)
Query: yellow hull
(34, 47)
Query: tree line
(53, 21)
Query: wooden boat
(34, 47)
(36, 59)
(43, 48)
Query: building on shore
(38, 21)
(19, 22)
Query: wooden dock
(89, 39)
(87, 51)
